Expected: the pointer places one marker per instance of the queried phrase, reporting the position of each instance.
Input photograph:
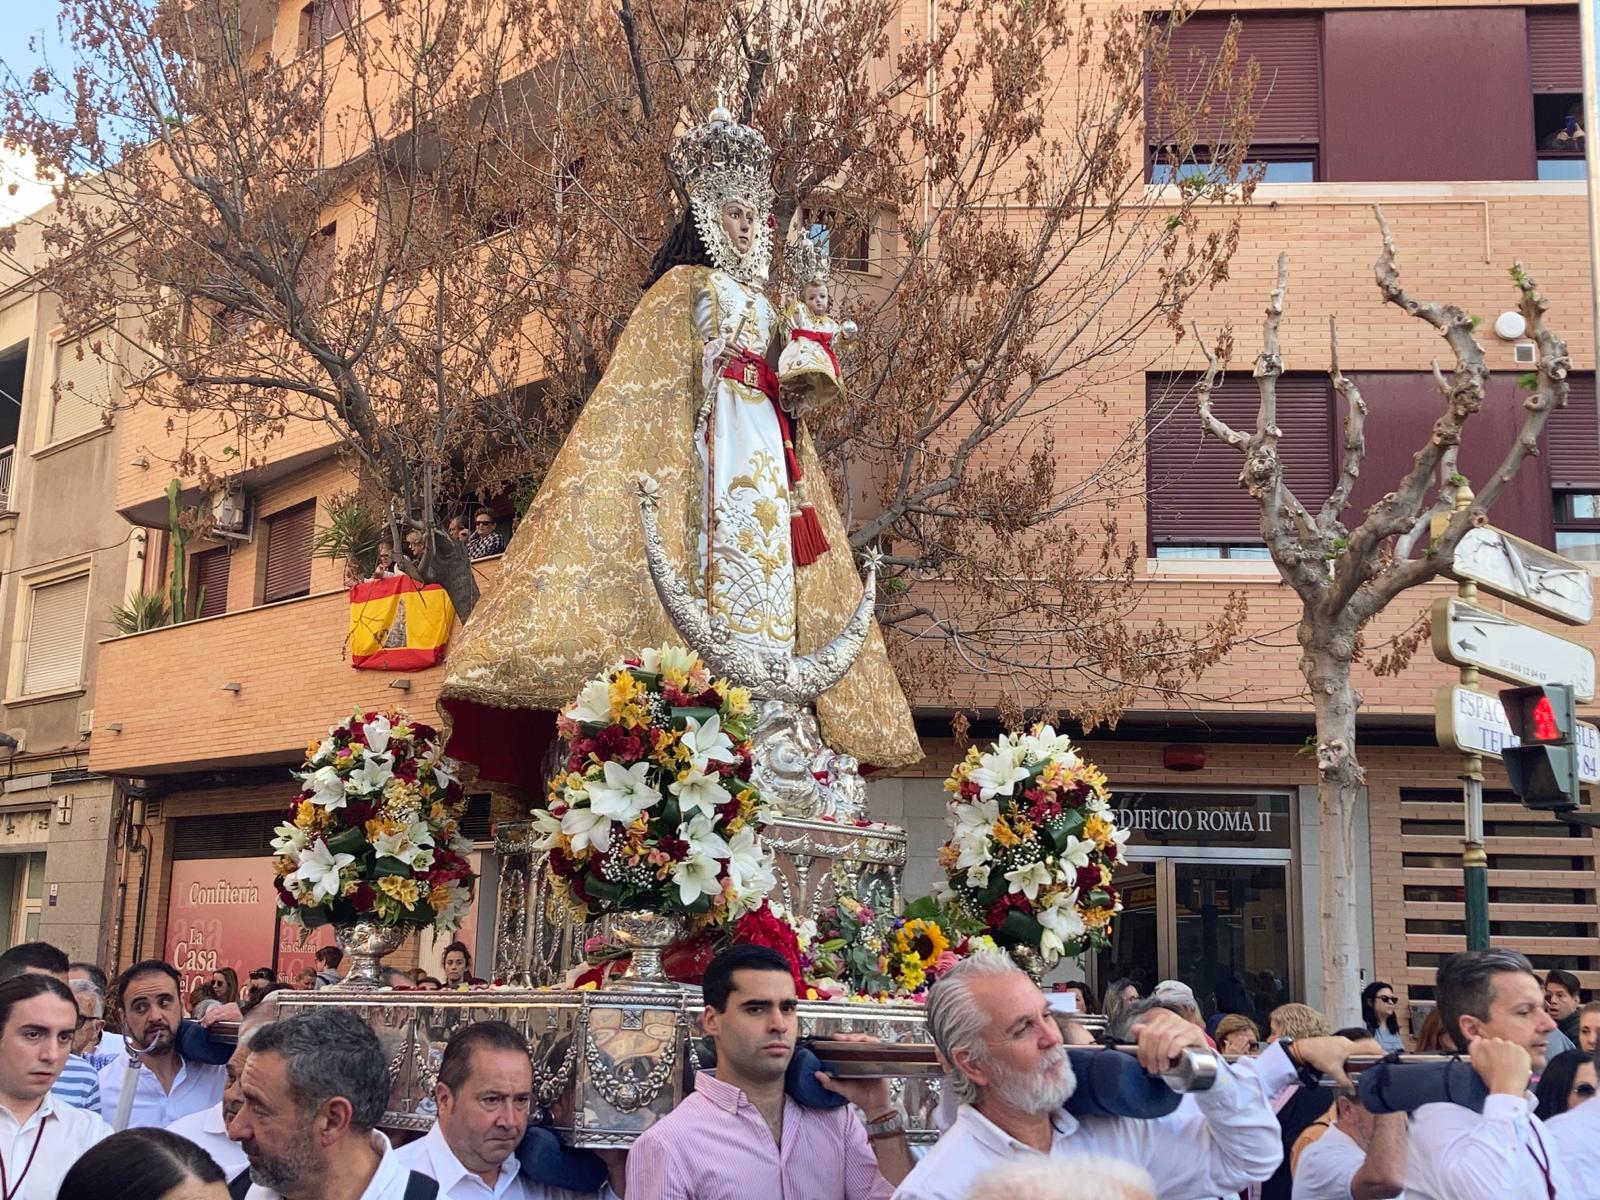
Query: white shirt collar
(47, 1108)
(448, 1170)
(1062, 1123)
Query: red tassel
(806, 539)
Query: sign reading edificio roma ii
(1475, 723)
(1468, 636)
(1524, 574)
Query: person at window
(314, 1089)
(1568, 1079)
(457, 963)
(165, 1085)
(1360, 1157)
(1570, 135)
(485, 539)
(1238, 1035)
(1490, 1002)
(1008, 1068)
(740, 1134)
(385, 568)
(459, 530)
(1589, 1027)
(482, 1098)
(1563, 997)
(40, 1136)
(143, 1164)
(1380, 1014)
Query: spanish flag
(397, 624)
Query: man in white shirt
(1361, 1157)
(40, 1137)
(165, 1085)
(315, 1087)
(208, 1129)
(484, 1091)
(1576, 1134)
(1491, 1002)
(1009, 1069)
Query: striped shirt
(78, 1084)
(716, 1146)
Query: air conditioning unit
(231, 513)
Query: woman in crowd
(1237, 1035)
(1119, 995)
(225, 985)
(144, 1164)
(1379, 1013)
(1568, 1079)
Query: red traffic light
(1545, 728)
(1541, 714)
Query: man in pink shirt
(739, 1135)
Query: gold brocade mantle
(574, 595)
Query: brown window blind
(1555, 57)
(289, 552)
(1288, 96)
(1573, 438)
(208, 582)
(1194, 494)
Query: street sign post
(1465, 635)
(1474, 722)
(1525, 574)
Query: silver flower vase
(1030, 960)
(364, 944)
(645, 934)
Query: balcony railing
(5, 478)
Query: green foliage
(143, 610)
(1529, 382)
(355, 529)
(177, 592)
(1457, 479)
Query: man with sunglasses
(485, 539)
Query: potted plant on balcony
(373, 844)
(654, 820)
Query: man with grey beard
(314, 1089)
(1008, 1067)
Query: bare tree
(498, 171)
(1346, 577)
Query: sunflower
(923, 939)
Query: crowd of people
(292, 1110)
(482, 539)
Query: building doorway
(1207, 899)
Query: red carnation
(364, 897)
(970, 790)
(998, 910)
(675, 848)
(710, 698)
(285, 896)
(1088, 878)
(615, 742)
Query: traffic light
(1544, 769)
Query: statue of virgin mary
(690, 399)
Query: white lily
(593, 706)
(625, 793)
(455, 909)
(1047, 743)
(377, 731)
(327, 788)
(319, 870)
(699, 872)
(1029, 879)
(394, 845)
(668, 660)
(698, 792)
(974, 850)
(1061, 925)
(444, 769)
(975, 815)
(584, 828)
(707, 743)
(546, 825)
(289, 838)
(1077, 851)
(999, 773)
(373, 774)
(978, 876)
(324, 752)
(750, 865)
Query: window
(208, 582)
(53, 658)
(1195, 505)
(288, 566)
(1287, 102)
(322, 21)
(318, 263)
(847, 237)
(1572, 448)
(81, 394)
(1555, 69)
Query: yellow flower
(400, 888)
(922, 940)
(912, 974)
(306, 815)
(379, 826)
(625, 689)
(439, 896)
(737, 702)
(1098, 829)
(1097, 918)
(1003, 833)
(311, 750)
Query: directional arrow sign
(1468, 636)
(1475, 723)
(1525, 574)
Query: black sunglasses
(1584, 1089)
(1388, 999)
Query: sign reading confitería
(1204, 818)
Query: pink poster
(223, 913)
(293, 953)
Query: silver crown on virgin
(808, 260)
(723, 160)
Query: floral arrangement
(375, 833)
(655, 809)
(1033, 845)
(858, 949)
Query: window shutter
(82, 394)
(210, 571)
(1288, 96)
(1573, 438)
(289, 552)
(1194, 495)
(224, 835)
(335, 17)
(1555, 56)
(54, 656)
